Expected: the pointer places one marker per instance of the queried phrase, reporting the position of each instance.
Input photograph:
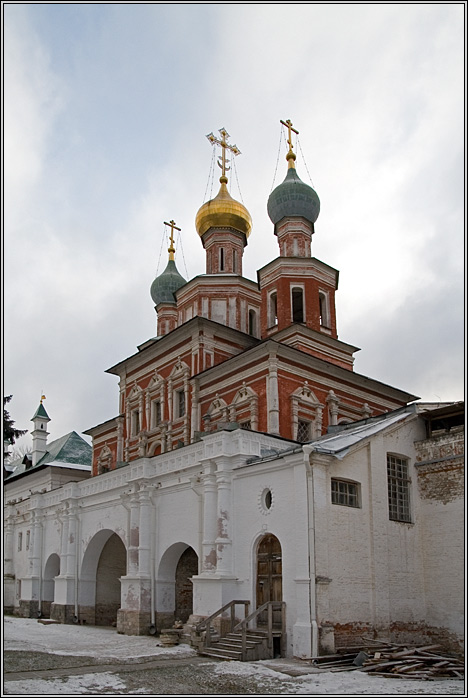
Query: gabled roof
(70, 450)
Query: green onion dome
(293, 198)
(166, 284)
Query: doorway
(269, 575)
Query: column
(273, 395)
(63, 607)
(134, 616)
(223, 540)
(8, 568)
(208, 562)
(31, 584)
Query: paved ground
(78, 660)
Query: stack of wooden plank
(395, 661)
(425, 663)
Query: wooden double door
(269, 575)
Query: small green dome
(293, 198)
(166, 284)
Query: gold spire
(171, 248)
(290, 157)
(225, 146)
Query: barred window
(345, 493)
(156, 413)
(180, 404)
(135, 422)
(303, 431)
(398, 488)
(247, 424)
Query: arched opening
(273, 309)
(252, 323)
(187, 567)
(324, 310)
(297, 305)
(51, 570)
(111, 566)
(269, 575)
(174, 590)
(99, 594)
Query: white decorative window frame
(306, 407)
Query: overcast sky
(106, 112)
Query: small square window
(345, 493)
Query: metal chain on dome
(179, 242)
(210, 174)
(233, 160)
(160, 251)
(277, 159)
(305, 163)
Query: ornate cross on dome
(225, 146)
(290, 128)
(171, 249)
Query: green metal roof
(293, 198)
(166, 284)
(40, 412)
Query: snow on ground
(27, 634)
(90, 684)
(81, 640)
(343, 683)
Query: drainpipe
(307, 450)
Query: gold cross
(171, 249)
(290, 128)
(224, 145)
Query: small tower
(223, 223)
(164, 287)
(296, 288)
(293, 208)
(39, 433)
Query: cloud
(106, 112)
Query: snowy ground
(234, 678)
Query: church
(249, 469)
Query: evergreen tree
(10, 434)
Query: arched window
(221, 259)
(324, 309)
(252, 323)
(297, 300)
(273, 309)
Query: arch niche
(51, 570)
(174, 589)
(99, 594)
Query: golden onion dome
(223, 212)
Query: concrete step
(221, 653)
